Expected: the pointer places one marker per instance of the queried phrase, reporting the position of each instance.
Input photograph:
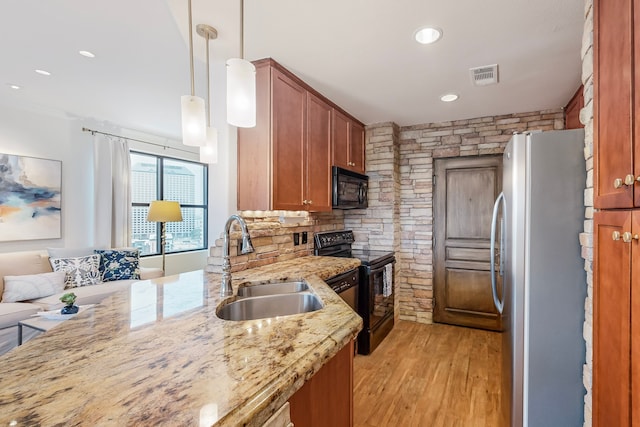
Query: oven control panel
(333, 238)
(344, 281)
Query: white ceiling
(359, 53)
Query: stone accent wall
(586, 238)
(378, 227)
(400, 214)
(272, 238)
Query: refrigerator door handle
(496, 301)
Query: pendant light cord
(208, 86)
(193, 89)
(241, 29)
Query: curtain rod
(93, 132)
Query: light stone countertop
(157, 355)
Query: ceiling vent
(485, 75)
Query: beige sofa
(36, 262)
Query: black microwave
(349, 189)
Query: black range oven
(376, 285)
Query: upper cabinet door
(340, 139)
(356, 147)
(318, 154)
(614, 68)
(288, 115)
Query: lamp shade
(241, 93)
(164, 211)
(194, 121)
(209, 153)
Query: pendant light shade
(194, 117)
(241, 93)
(209, 153)
(194, 121)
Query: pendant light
(241, 86)
(209, 152)
(194, 122)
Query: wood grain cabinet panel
(284, 162)
(612, 311)
(327, 398)
(347, 142)
(616, 267)
(614, 69)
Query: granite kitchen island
(156, 354)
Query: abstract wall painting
(30, 194)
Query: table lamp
(164, 211)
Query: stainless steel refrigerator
(539, 282)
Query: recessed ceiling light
(86, 53)
(43, 72)
(449, 97)
(428, 35)
(12, 86)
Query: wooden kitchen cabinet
(347, 142)
(613, 318)
(616, 103)
(616, 316)
(284, 162)
(572, 110)
(327, 398)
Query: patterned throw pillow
(81, 271)
(32, 286)
(119, 264)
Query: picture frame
(30, 198)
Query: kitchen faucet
(226, 289)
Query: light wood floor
(429, 376)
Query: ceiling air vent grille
(485, 75)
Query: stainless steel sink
(272, 289)
(262, 307)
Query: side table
(43, 324)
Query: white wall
(47, 136)
(27, 131)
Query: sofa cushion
(81, 271)
(13, 312)
(119, 264)
(85, 294)
(30, 286)
(19, 263)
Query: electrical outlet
(304, 237)
(296, 239)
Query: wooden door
(611, 316)
(340, 139)
(318, 155)
(288, 105)
(613, 84)
(356, 147)
(465, 191)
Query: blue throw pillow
(119, 264)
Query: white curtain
(112, 192)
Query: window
(164, 178)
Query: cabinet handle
(628, 237)
(305, 202)
(309, 202)
(628, 180)
(615, 235)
